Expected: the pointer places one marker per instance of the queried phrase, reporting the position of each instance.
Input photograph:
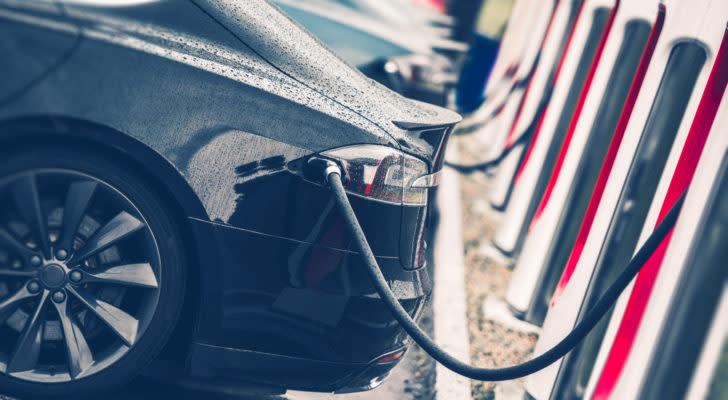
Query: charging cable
(608, 299)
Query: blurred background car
(409, 58)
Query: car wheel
(92, 273)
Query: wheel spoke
(77, 350)
(10, 304)
(27, 200)
(8, 241)
(77, 202)
(118, 320)
(121, 226)
(131, 274)
(27, 350)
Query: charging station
(580, 57)
(534, 98)
(693, 277)
(496, 130)
(506, 63)
(653, 141)
(544, 14)
(554, 228)
(610, 377)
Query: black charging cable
(608, 299)
(486, 165)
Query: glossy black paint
(200, 96)
(277, 296)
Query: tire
(120, 351)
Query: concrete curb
(449, 296)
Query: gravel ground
(491, 345)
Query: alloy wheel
(79, 275)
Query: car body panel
(31, 64)
(300, 55)
(268, 295)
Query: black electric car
(161, 199)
